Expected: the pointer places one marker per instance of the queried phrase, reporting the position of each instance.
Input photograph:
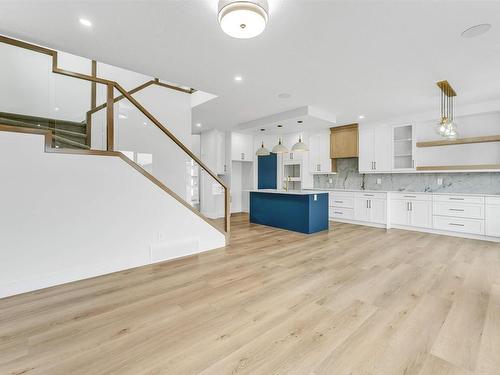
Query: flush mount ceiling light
(198, 125)
(476, 30)
(243, 19)
(284, 95)
(361, 117)
(262, 151)
(238, 78)
(447, 126)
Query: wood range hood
(343, 143)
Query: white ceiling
(377, 58)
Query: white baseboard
(356, 222)
(447, 233)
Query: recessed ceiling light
(262, 130)
(85, 22)
(238, 78)
(284, 95)
(198, 125)
(56, 109)
(300, 122)
(280, 126)
(243, 19)
(361, 117)
(476, 30)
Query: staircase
(66, 134)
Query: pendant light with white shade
(262, 151)
(279, 148)
(300, 146)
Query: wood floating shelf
(460, 141)
(476, 167)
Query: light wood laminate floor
(354, 300)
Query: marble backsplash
(348, 177)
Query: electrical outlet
(440, 181)
(330, 180)
(379, 181)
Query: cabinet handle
(367, 203)
(338, 212)
(457, 225)
(413, 163)
(410, 196)
(242, 156)
(338, 201)
(411, 206)
(291, 155)
(456, 209)
(318, 168)
(375, 164)
(368, 195)
(456, 199)
(407, 206)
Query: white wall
(69, 217)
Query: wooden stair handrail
(125, 94)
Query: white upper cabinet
(242, 147)
(403, 148)
(375, 149)
(319, 153)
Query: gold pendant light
(447, 126)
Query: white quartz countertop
(291, 192)
(406, 192)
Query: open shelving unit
(460, 141)
(461, 167)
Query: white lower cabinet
(469, 215)
(412, 210)
(464, 214)
(370, 207)
(492, 216)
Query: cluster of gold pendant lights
(447, 126)
(300, 146)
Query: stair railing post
(110, 119)
(227, 210)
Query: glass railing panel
(32, 96)
(146, 144)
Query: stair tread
(7, 121)
(61, 139)
(17, 116)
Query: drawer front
(371, 195)
(336, 201)
(341, 213)
(471, 211)
(411, 196)
(495, 201)
(458, 199)
(461, 225)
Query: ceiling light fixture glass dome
(299, 146)
(262, 151)
(243, 19)
(279, 148)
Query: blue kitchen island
(300, 211)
